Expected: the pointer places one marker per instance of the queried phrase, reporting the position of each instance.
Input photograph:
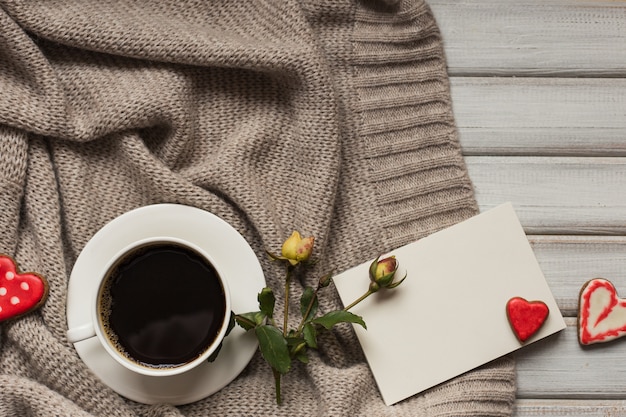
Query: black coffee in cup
(162, 305)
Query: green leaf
(231, 326)
(267, 301)
(292, 342)
(309, 298)
(302, 356)
(273, 256)
(373, 267)
(328, 320)
(310, 335)
(395, 284)
(250, 320)
(273, 347)
(298, 348)
(215, 353)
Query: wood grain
(569, 408)
(540, 116)
(558, 367)
(552, 195)
(568, 262)
(533, 37)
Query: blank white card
(449, 315)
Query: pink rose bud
(382, 273)
(386, 267)
(297, 249)
(325, 280)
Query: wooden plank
(540, 116)
(558, 367)
(569, 261)
(552, 195)
(569, 408)
(547, 37)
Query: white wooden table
(539, 95)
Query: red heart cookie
(601, 314)
(20, 293)
(526, 317)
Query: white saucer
(237, 262)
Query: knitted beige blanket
(329, 117)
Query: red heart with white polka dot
(20, 293)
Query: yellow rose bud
(297, 249)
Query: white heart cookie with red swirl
(601, 313)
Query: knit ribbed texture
(330, 117)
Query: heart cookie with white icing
(20, 293)
(601, 313)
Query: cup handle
(79, 333)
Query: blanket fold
(329, 117)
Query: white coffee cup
(161, 308)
